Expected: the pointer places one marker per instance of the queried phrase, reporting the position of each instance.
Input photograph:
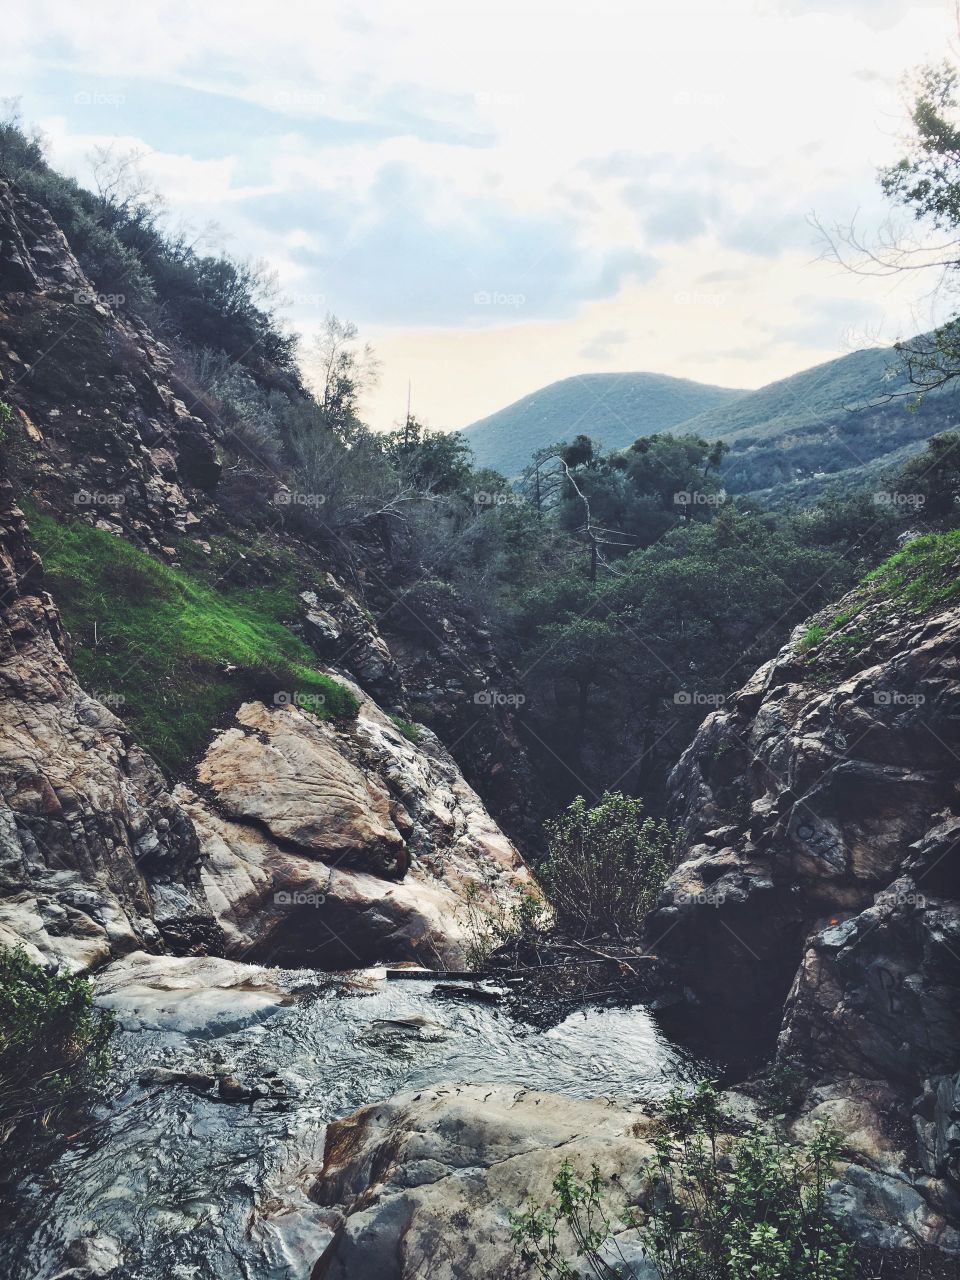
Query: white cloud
(333, 140)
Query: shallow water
(190, 1188)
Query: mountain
(612, 408)
(842, 422)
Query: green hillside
(832, 422)
(612, 408)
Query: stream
(169, 1184)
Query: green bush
(6, 417)
(605, 866)
(53, 1043)
(176, 655)
(749, 1208)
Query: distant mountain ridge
(612, 408)
(843, 421)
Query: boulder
(425, 1182)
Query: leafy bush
(177, 654)
(53, 1044)
(750, 1208)
(6, 417)
(605, 866)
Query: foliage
(6, 417)
(605, 866)
(175, 655)
(749, 1208)
(53, 1044)
(491, 924)
(409, 730)
(118, 236)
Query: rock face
(344, 847)
(819, 895)
(110, 440)
(97, 858)
(425, 1181)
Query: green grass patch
(171, 653)
(922, 576)
(811, 638)
(409, 730)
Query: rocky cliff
(292, 838)
(818, 899)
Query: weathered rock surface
(345, 847)
(97, 858)
(426, 1181)
(108, 438)
(191, 995)
(819, 895)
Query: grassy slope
(172, 653)
(919, 578)
(614, 408)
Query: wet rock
(425, 1181)
(197, 996)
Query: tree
(340, 369)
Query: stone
(425, 1181)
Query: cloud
(604, 345)
(582, 166)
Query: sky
(503, 194)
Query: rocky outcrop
(425, 1182)
(346, 846)
(97, 858)
(819, 898)
(105, 435)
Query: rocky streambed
(205, 1158)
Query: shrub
(749, 1208)
(605, 866)
(53, 1044)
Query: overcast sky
(503, 194)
